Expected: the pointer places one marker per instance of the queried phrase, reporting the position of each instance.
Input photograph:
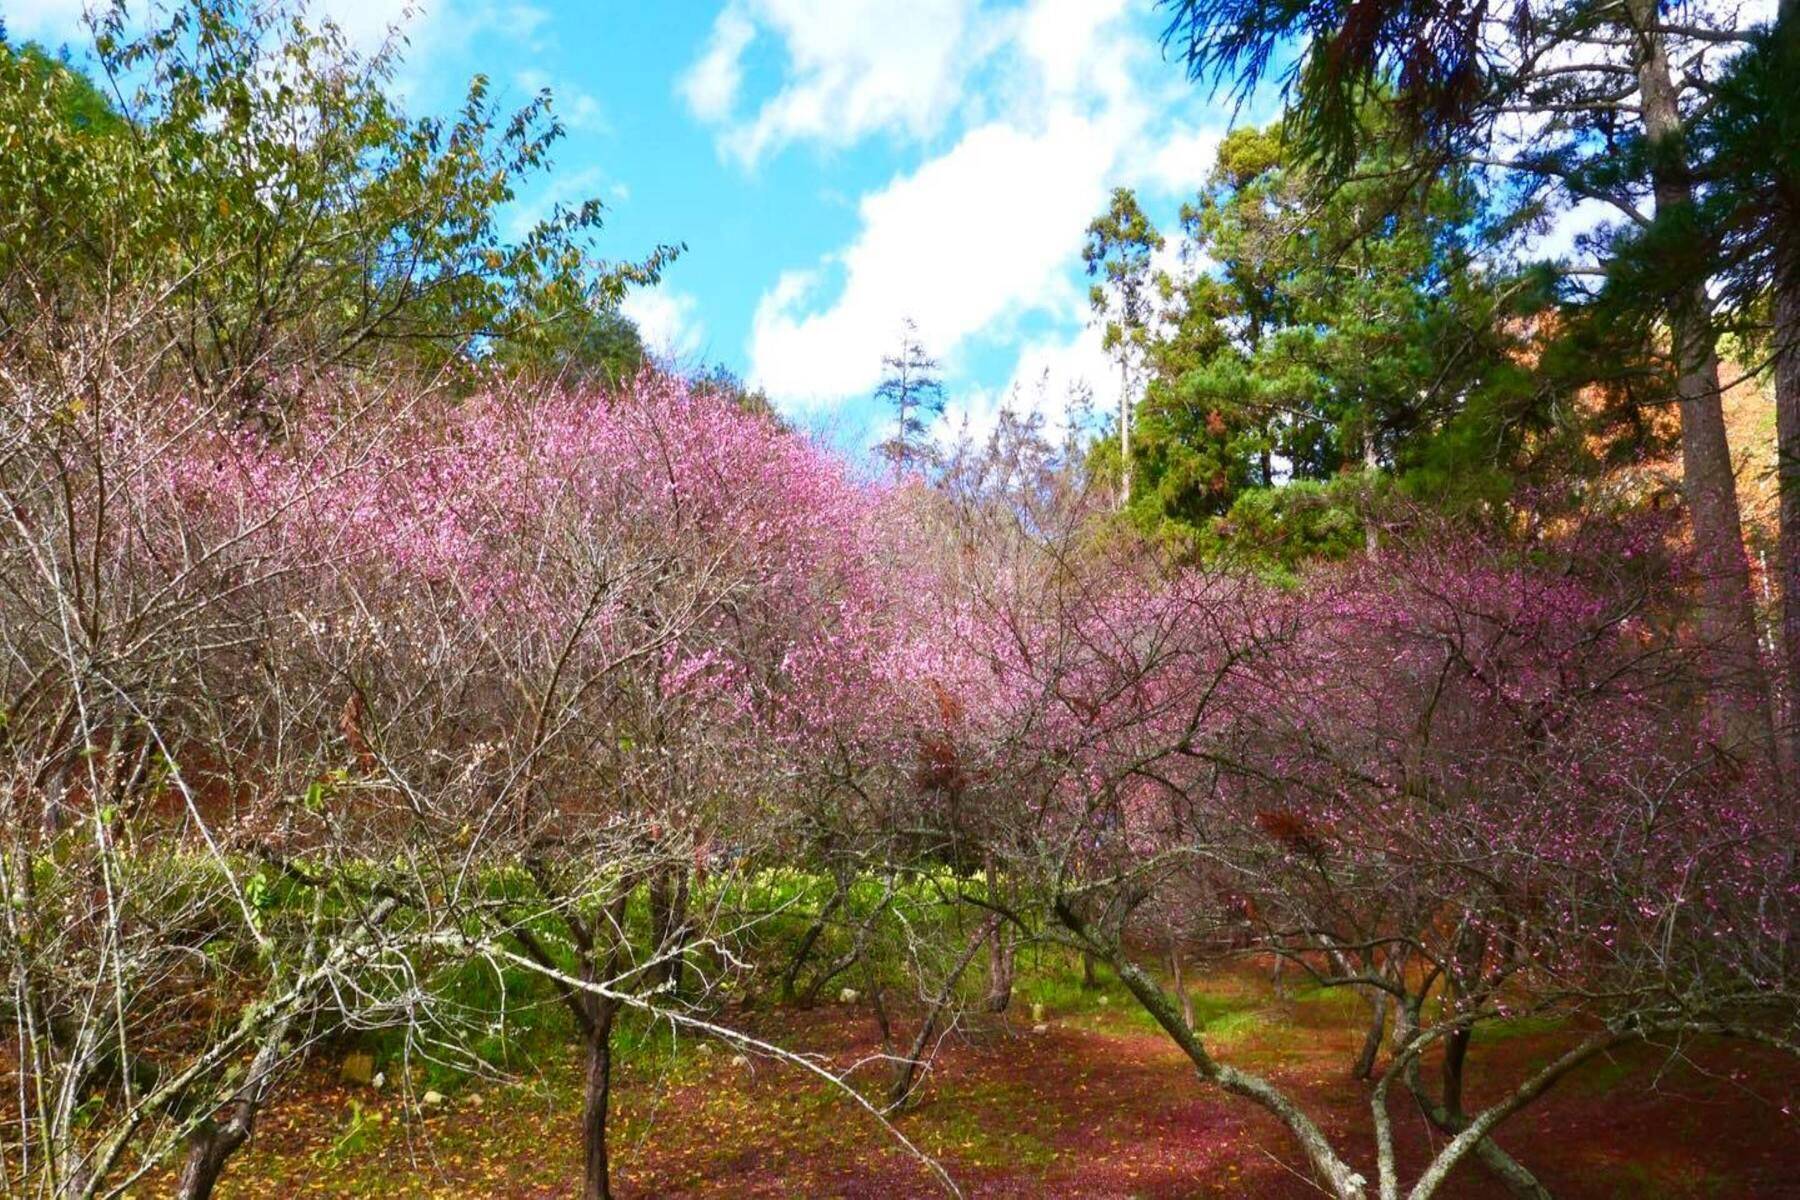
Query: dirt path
(1100, 1106)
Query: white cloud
(52, 21)
(1051, 376)
(575, 108)
(1071, 48)
(986, 236)
(580, 111)
(854, 67)
(449, 39)
(1561, 241)
(1181, 161)
(711, 84)
(666, 320)
(980, 234)
(367, 24)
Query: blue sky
(833, 167)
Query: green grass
(1489, 1032)
(1054, 980)
(1597, 1079)
(964, 1126)
(1230, 1024)
(1338, 1002)
(1652, 1181)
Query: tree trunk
(907, 1070)
(1365, 1061)
(878, 1003)
(1187, 998)
(595, 1014)
(1089, 980)
(1738, 697)
(1331, 1171)
(790, 981)
(858, 952)
(1787, 435)
(597, 1101)
(1001, 950)
(1787, 420)
(208, 1148)
(669, 924)
(1456, 1053)
(1124, 436)
(1371, 462)
(1450, 1118)
(1001, 946)
(212, 1143)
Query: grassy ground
(1101, 1105)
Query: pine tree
(1120, 245)
(912, 388)
(1612, 92)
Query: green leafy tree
(1347, 334)
(269, 209)
(578, 346)
(79, 104)
(1611, 94)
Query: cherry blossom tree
(593, 638)
(163, 971)
(386, 691)
(1470, 781)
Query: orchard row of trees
(400, 677)
(303, 730)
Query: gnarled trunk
(1124, 436)
(1334, 1175)
(790, 979)
(1001, 953)
(212, 1143)
(1787, 435)
(1181, 988)
(209, 1146)
(1448, 1116)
